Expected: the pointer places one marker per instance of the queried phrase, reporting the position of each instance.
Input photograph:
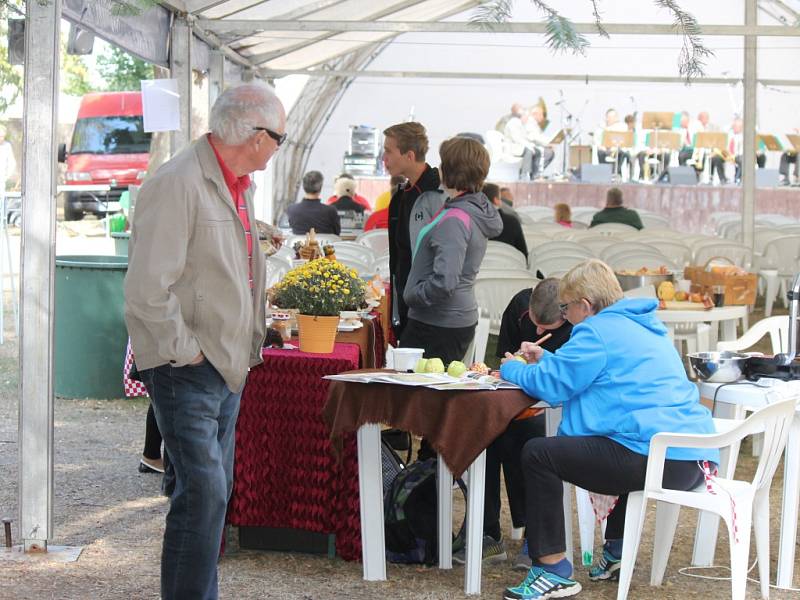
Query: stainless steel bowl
(631, 282)
(718, 367)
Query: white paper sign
(161, 105)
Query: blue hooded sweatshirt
(620, 377)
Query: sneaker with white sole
(541, 584)
(494, 551)
(523, 562)
(607, 569)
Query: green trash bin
(90, 332)
(121, 239)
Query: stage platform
(686, 206)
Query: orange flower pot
(317, 334)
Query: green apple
(435, 365)
(421, 365)
(456, 368)
(521, 359)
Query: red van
(109, 147)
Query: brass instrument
(698, 159)
(723, 154)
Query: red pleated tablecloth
(285, 474)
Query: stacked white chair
(637, 260)
(653, 220)
(277, 267)
(476, 352)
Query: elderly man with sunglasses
(194, 307)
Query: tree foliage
(10, 75)
(121, 71)
(561, 35)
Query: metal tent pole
(37, 273)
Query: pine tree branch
(598, 19)
(693, 54)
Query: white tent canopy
(332, 41)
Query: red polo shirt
(237, 186)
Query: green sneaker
(607, 569)
(540, 585)
(494, 551)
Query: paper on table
(438, 381)
(161, 105)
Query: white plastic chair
(625, 247)
(637, 260)
(653, 220)
(739, 254)
(377, 239)
(595, 244)
(500, 251)
(743, 504)
(361, 267)
(678, 252)
(277, 267)
(609, 228)
(495, 288)
(776, 327)
(777, 265)
(557, 265)
(354, 250)
(554, 247)
(476, 351)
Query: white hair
(239, 109)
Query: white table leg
(728, 330)
(791, 495)
(474, 555)
(444, 493)
(370, 487)
(705, 537)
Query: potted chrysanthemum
(318, 290)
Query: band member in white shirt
(604, 154)
(535, 127)
(517, 144)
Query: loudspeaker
(16, 41)
(682, 175)
(80, 41)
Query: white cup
(405, 359)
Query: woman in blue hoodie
(619, 382)
(446, 256)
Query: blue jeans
(196, 413)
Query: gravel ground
(103, 504)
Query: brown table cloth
(458, 424)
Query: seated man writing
(532, 314)
(619, 381)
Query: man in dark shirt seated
(310, 212)
(531, 314)
(614, 212)
(512, 230)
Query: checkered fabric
(133, 388)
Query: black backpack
(410, 515)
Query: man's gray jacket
(187, 288)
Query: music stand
(770, 142)
(617, 139)
(558, 137)
(794, 139)
(661, 123)
(709, 140)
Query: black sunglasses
(279, 138)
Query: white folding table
(373, 543)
